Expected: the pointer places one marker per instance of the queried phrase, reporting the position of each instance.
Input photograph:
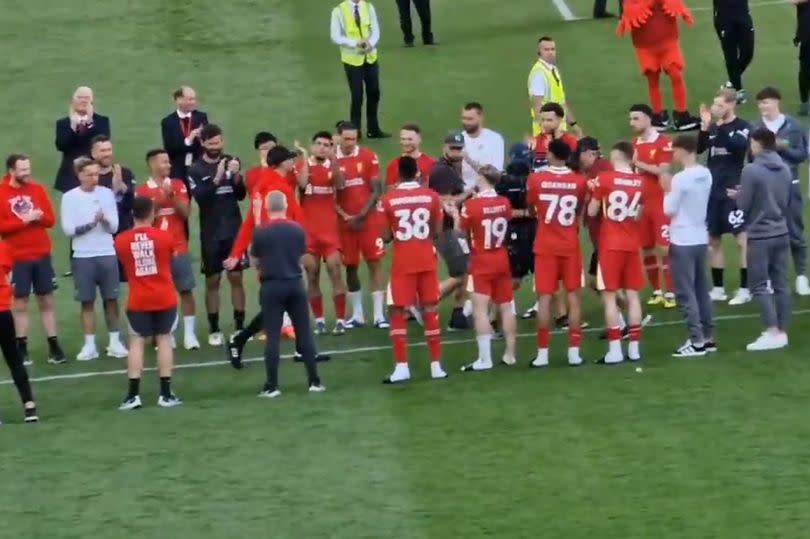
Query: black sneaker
(710, 346)
(57, 358)
(458, 322)
(26, 359)
(378, 135)
(561, 322)
(684, 121)
(234, 352)
(660, 121)
(31, 415)
(268, 392)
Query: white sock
(90, 341)
(467, 309)
(633, 350)
(484, 348)
(115, 337)
(573, 352)
(188, 325)
(615, 348)
(378, 298)
(622, 321)
(356, 299)
(512, 306)
(285, 320)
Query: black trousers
(290, 296)
(406, 24)
(600, 7)
(365, 77)
(737, 42)
(804, 69)
(14, 360)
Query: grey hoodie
(764, 195)
(795, 135)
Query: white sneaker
(170, 402)
(768, 341)
(131, 404)
(574, 359)
(477, 365)
(541, 360)
(718, 294)
(266, 394)
(215, 339)
(508, 360)
(190, 342)
(741, 297)
(87, 353)
(117, 350)
(611, 359)
(320, 388)
(802, 285)
(401, 374)
(436, 371)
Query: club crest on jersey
(359, 168)
(652, 153)
(20, 205)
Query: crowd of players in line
(491, 235)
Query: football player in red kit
(319, 178)
(558, 196)
(618, 196)
(360, 225)
(485, 219)
(410, 142)
(412, 214)
(653, 153)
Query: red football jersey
(6, 263)
(167, 217)
(657, 151)
(318, 199)
(359, 169)
(146, 255)
(485, 219)
(541, 146)
(424, 162)
(621, 196)
(558, 196)
(592, 223)
(413, 213)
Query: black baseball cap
(587, 144)
(454, 139)
(278, 155)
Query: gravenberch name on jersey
(421, 199)
(559, 185)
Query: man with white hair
(74, 133)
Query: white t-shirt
(686, 204)
(774, 125)
(78, 209)
(485, 149)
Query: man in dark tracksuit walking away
(764, 195)
(735, 28)
(276, 252)
(685, 203)
(791, 145)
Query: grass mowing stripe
(346, 351)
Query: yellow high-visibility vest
(352, 55)
(556, 92)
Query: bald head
(277, 204)
(82, 101)
(186, 99)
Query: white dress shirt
(78, 210)
(338, 33)
(538, 87)
(485, 149)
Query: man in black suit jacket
(74, 133)
(181, 132)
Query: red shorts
(619, 270)
(367, 242)
(654, 229)
(498, 287)
(414, 289)
(322, 247)
(665, 57)
(549, 270)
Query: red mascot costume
(653, 25)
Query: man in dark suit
(74, 133)
(181, 132)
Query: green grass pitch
(685, 449)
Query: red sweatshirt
(25, 241)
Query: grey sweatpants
(768, 264)
(795, 222)
(688, 267)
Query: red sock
(614, 334)
(635, 333)
(574, 336)
(433, 335)
(653, 275)
(654, 91)
(316, 304)
(678, 89)
(667, 276)
(340, 306)
(542, 337)
(398, 333)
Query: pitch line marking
(565, 11)
(347, 351)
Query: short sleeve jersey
(621, 197)
(558, 196)
(318, 199)
(145, 254)
(413, 214)
(359, 169)
(657, 151)
(167, 218)
(485, 218)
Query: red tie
(186, 125)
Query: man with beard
(482, 146)
(217, 186)
(410, 142)
(115, 177)
(551, 128)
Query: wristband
(572, 124)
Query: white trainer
(320, 388)
(216, 339)
(718, 294)
(741, 297)
(169, 402)
(768, 341)
(131, 404)
(802, 285)
(190, 342)
(117, 350)
(87, 353)
(508, 360)
(436, 371)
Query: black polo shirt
(279, 246)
